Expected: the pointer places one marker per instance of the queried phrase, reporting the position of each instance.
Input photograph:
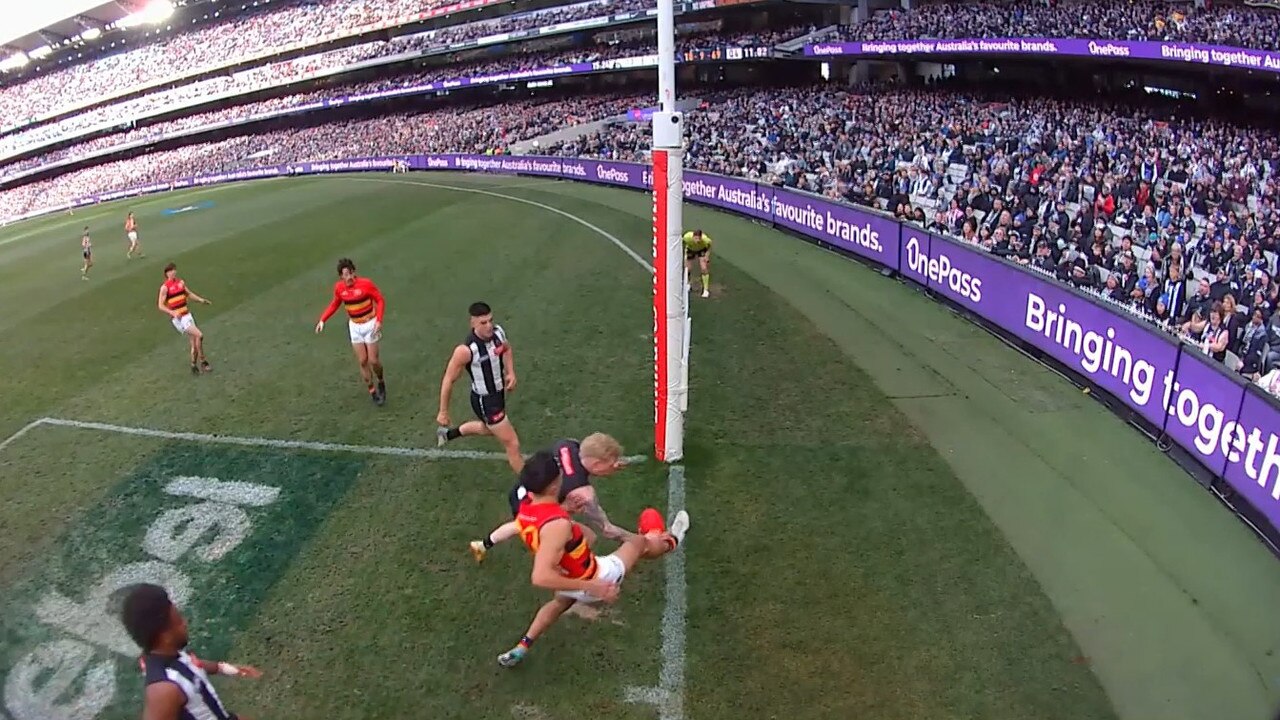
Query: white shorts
(184, 323)
(367, 332)
(611, 568)
(133, 236)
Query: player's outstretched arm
(225, 668)
(552, 538)
(197, 298)
(589, 507)
(457, 361)
(329, 311)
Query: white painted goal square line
(280, 444)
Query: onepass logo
(67, 676)
(940, 270)
(614, 175)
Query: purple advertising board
(872, 236)
(1251, 450)
(1231, 429)
(1216, 55)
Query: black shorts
(691, 254)
(514, 497)
(87, 254)
(489, 409)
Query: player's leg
(503, 532)
(488, 410)
(547, 616)
(505, 432)
(197, 342)
(500, 534)
(194, 352)
(653, 542)
(375, 364)
(366, 374)
(704, 264)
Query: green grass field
(878, 531)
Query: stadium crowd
(273, 74)
(1218, 24)
(460, 129)
(228, 41)
(1112, 199)
(1176, 220)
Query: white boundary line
(603, 233)
(424, 453)
(25, 429)
(668, 696)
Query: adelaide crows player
(563, 561)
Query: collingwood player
(597, 455)
(486, 356)
(177, 682)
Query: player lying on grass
(597, 455)
(365, 310)
(177, 682)
(562, 558)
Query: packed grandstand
(1161, 198)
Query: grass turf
(837, 568)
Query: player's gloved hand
(319, 327)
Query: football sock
(488, 541)
(454, 433)
(706, 281)
(526, 642)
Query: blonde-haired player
(597, 455)
(697, 244)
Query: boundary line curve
(587, 224)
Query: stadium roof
(27, 25)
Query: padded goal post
(670, 282)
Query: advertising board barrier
(1229, 426)
(1202, 54)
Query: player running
(697, 244)
(562, 558)
(131, 232)
(486, 356)
(173, 302)
(597, 455)
(365, 309)
(86, 251)
(177, 682)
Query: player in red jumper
(563, 561)
(174, 294)
(365, 308)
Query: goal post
(670, 283)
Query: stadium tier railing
(1181, 397)
(711, 53)
(1203, 54)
